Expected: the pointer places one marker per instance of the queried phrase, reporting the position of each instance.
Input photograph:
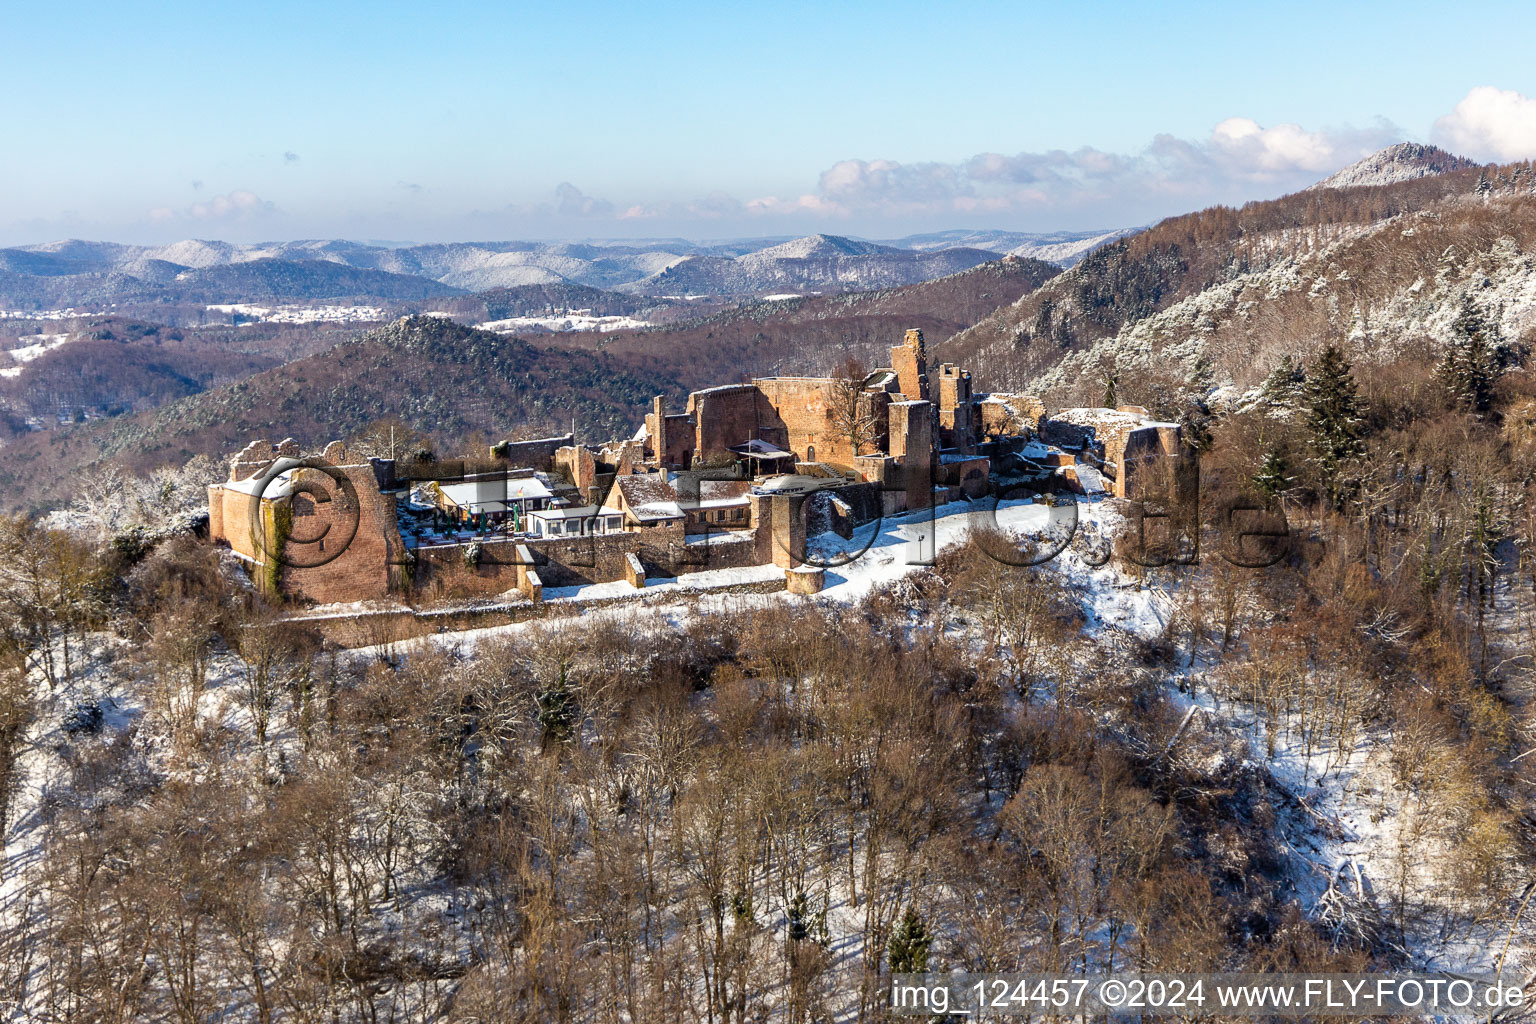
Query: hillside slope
(814, 335)
(462, 382)
(1153, 296)
(454, 381)
(79, 274)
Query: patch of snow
(561, 323)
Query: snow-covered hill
(816, 262)
(1066, 251)
(74, 272)
(1403, 162)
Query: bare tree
(852, 408)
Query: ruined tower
(955, 421)
(656, 426)
(910, 361)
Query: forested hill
(814, 334)
(428, 372)
(457, 383)
(1239, 287)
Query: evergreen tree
(799, 923)
(1273, 476)
(1202, 376)
(909, 944)
(1195, 425)
(1472, 363)
(557, 708)
(1285, 384)
(1043, 318)
(1334, 418)
(1111, 399)
(1196, 420)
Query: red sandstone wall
(442, 572)
(729, 416)
(804, 405)
(362, 570)
(238, 518)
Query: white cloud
(571, 201)
(1490, 124)
(233, 207)
(1246, 146)
(1239, 160)
(713, 207)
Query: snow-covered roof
(724, 490)
(1098, 417)
(274, 482)
(574, 512)
(658, 510)
(482, 495)
(649, 496)
(760, 449)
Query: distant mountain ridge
(813, 263)
(80, 273)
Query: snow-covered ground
(1344, 835)
(302, 314)
(879, 552)
(27, 353)
(39, 314)
(559, 323)
(1350, 824)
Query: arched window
(810, 453)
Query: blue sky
(150, 122)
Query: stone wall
(911, 429)
(956, 429)
(369, 556)
(669, 436)
(1124, 440)
(804, 406)
(1138, 454)
(239, 519)
(780, 537)
(575, 463)
(443, 571)
(538, 454)
(1009, 415)
(727, 416)
(216, 514)
(910, 361)
(970, 474)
